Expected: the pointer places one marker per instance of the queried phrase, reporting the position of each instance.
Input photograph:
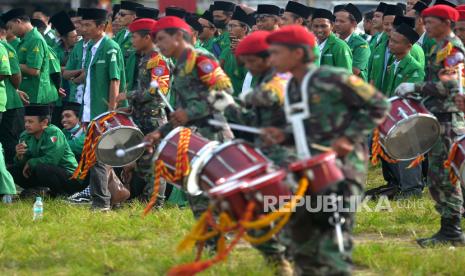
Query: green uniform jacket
(129, 55)
(427, 43)
(4, 71)
(360, 54)
(408, 70)
(51, 148)
(107, 65)
(54, 68)
(75, 138)
(212, 46)
(234, 71)
(12, 98)
(374, 41)
(377, 63)
(418, 54)
(14, 43)
(75, 63)
(336, 53)
(51, 38)
(33, 51)
(7, 183)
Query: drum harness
(296, 113)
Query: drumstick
(248, 129)
(122, 152)
(460, 69)
(154, 85)
(320, 147)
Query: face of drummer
(170, 43)
(256, 65)
(285, 59)
(69, 119)
(436, 27)
(142, 41)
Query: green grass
(72, 240)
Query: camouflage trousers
(272, 250)
(145, 170)
(311, 239)
(447, 195)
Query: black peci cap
(62, 23)
(322, 13)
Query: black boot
(449, 234)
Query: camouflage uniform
(438, 99)
(341, 105)
(263, 107)
(148, 109)
(197, 76)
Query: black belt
(443, 117)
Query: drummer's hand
(179, 118)
(272, 136)
(448, 74)
(404, 89)
(460, 102)
(152, 138)
(342, 146)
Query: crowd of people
(232, 63)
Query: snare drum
(116, 132)
(409, 130)
(322, 171)
(232, 160)
(268, 191)
(199, 148)
(458, 164)
(229, 198)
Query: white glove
(404, 89)
(220, 100)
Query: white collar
(348, 38)
(97, 44)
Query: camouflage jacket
(263, 107)
(196, 77)
(147, 106)
(444, 54)
(341, 104)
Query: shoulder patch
(53, 139)
(360, 87)
(36, 49)
(158, 71)
(11, 54)
(111, 51)
(206, 66)
(4, 58)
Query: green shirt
(212, 46)
(234, 71)
(14, 43)
(51, 37)
(336, 53)
(377, 63)
(106, 65)
(51, 148)
(7, 183)
(75, 63)
(12, 98)
(123, 38)
(360, 53)
(33, 51)
(75, 138)
(54, 68)
(4, 71)
(408, 70)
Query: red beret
(441, 11)
(169, 22)
(254, 43)
(142, 24)
(460, 8)
(461, 15)
(292, 35)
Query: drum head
(412, 137)
(119, 138)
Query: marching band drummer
(343, 111)
(440, 90)
(146, 106)
(200, 86)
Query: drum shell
(416, 114)
(231, 161)
(458, 164)
(322, 171)
(229, 198)
(117, 132)
(167, 150)
(264, 186)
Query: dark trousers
(98, 182)
(51, 176)
(11, 126)
(406, 180)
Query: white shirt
(421, 39)
(86, 109)
(80, 88)
(126, 34)
(396, 64)
(321, 46)
(247, 84)
(348, 38)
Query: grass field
(72, 240)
